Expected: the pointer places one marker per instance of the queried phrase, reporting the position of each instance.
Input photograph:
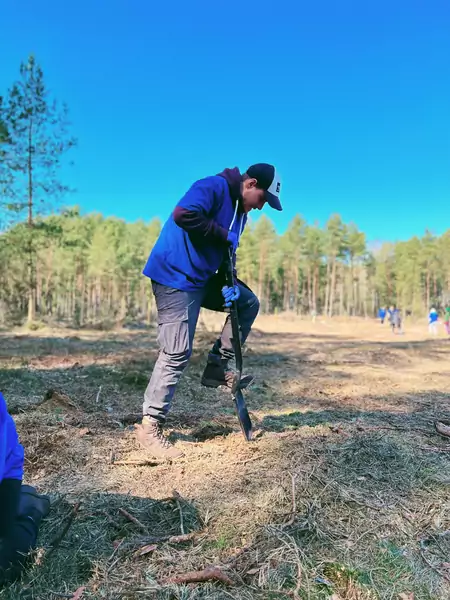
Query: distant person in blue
(382, 314)
(433, 319)
(21, 507)
(186, 267)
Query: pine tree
(384, 275)
(313, 254)
(247, 256)
(444, 253)
(356, 249)
(265, 235)
(292, 253)
(408, 276)
(38, 139)
(431, 267)
(334, 245)
(89, 269)
(3, 132)
(5, 174)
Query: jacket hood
(234, 179)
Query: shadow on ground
(101, 548)
(418, 410)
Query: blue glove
(230, 294)
(233, 240)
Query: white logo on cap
(275, 185)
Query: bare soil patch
(344, 493)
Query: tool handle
(238, 396)
(234, 316)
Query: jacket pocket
(172, 304)
(173, 338)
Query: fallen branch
(127, 418)
(98, 395)
(443, 428)
(208, 574)
(135, 463)
(177, 498)
(56, 541)
(109, 519)
(296, 592)
(434, 449)
(112, 556)
(78, 593)
(152, 539)
(127, 515)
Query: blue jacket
(11, 452)
(193, 242)
(433, 316)
(381, 313)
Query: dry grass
(343, 495)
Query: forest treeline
(88, 269)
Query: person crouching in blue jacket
(21, 507)
(186, 267)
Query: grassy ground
(343, 494)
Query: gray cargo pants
(178, 313)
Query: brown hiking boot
(150, 435)
(218, 373)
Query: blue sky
(351, 101)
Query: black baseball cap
(268, 180)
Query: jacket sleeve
(14, 458)
(193, 213)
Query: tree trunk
(98, 292)
(341, 292)
(261, 276)
(79, 300)
(315, 286)
(309, 289)
(327, 288)
(267, 293)
(149, 308)
(333, 288)
(286, 293)
(124, 302)
(296, 290)
(31, 270)
(351, 296)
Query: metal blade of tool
(236, 392)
